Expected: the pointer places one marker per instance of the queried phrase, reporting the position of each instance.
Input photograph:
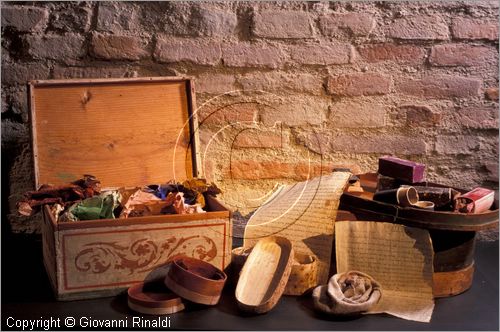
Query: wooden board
(126, 132)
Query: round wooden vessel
(196, 280)
(153, 299)
(453, 234)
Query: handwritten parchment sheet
(305, 214)
(400, 258)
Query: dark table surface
(26, 294)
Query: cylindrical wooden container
(196, 280)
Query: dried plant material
(347, 293)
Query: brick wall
(286, 90)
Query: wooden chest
(127, 133)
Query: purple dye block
(401, 169)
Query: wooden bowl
(195, 280)
(264, 275)
(153, 299)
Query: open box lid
(126, 132)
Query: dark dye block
(406, 170)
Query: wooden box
(126, 132)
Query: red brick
(470, 28)
(212, 22)
(419, 115)
(24, 19)
(419, 28)
(205, 136)
(259, 170)
(113, 47)
(492, 171)
(253, 138)
(252, 55)
(357, 24)
(279, 81)
(56, 47)
(215, 83)
(376, 143)
(199, 51)
(407, 54)
(23, 73)
(265, 170)
(317, 142)
(445, 86)
(242, 112)
(296, 112)
(357, 114)
(15, 99)
(14, 132)
(304, 170)
(75, 17)
(117, 17)
(282, 24)
(362, 84)
(492, 94)
(457, 144)
(321, 54)
(90, 72)
(461, 55)
(478, 118)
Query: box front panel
(112, 257)
(49, 250)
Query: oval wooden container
(153, 299)
(452, 233)
(196, 280)
(264, 275)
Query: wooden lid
(126, 132)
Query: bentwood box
(127, 133)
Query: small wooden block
(401, 169)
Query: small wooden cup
(424, 205)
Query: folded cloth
(135, 204)
(347, 293)
(97, 207)
(64, 195)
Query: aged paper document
(305, 214)
(398, 257)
